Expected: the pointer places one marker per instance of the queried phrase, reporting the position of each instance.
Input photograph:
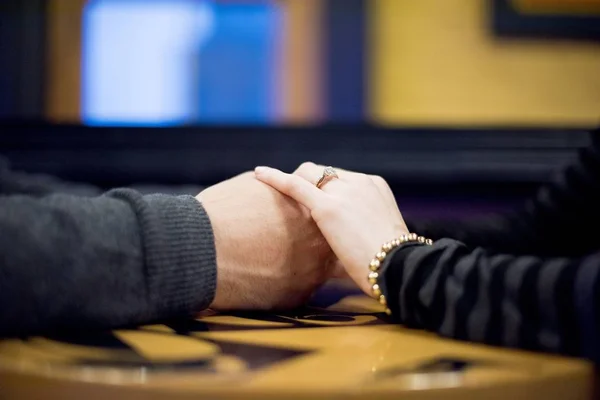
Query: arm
(546, 224)
(523, 302)
(70, 262)
(527, 302)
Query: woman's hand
(356, 213)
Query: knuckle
(363, 178)
(379, 181)
(306, 166)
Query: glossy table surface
(340, 346)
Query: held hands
(275, 232)
(270, 253)
(356, 213)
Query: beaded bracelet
(375, 264)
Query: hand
(356, 213)
(270, 253)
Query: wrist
(219, 300)
(374, 277)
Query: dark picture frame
(508, 21)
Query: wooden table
(339, 347)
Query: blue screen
(172, 62)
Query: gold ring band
(328, 174)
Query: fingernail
(260, 170)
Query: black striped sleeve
(514, 301)
(559, 206)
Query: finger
(293, 186)
(312, 173)
(306, 170)
(305, 167)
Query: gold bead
(374, 265)
(376, 290)
(403, 239)
(382, 300)
(381, 255)
(421, 239)
(429, 242)
(387, 247)
(388, 311)
(412, 237)
(396, 242)
(373, 276)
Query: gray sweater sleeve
(70, 262)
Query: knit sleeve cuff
(181, 258)
(180, 265)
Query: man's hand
(270, 253)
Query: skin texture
(270, 253)
(356, 213)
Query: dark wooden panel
(203, 155)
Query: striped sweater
(526, 280)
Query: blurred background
(462, 105)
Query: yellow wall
(436, 62)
